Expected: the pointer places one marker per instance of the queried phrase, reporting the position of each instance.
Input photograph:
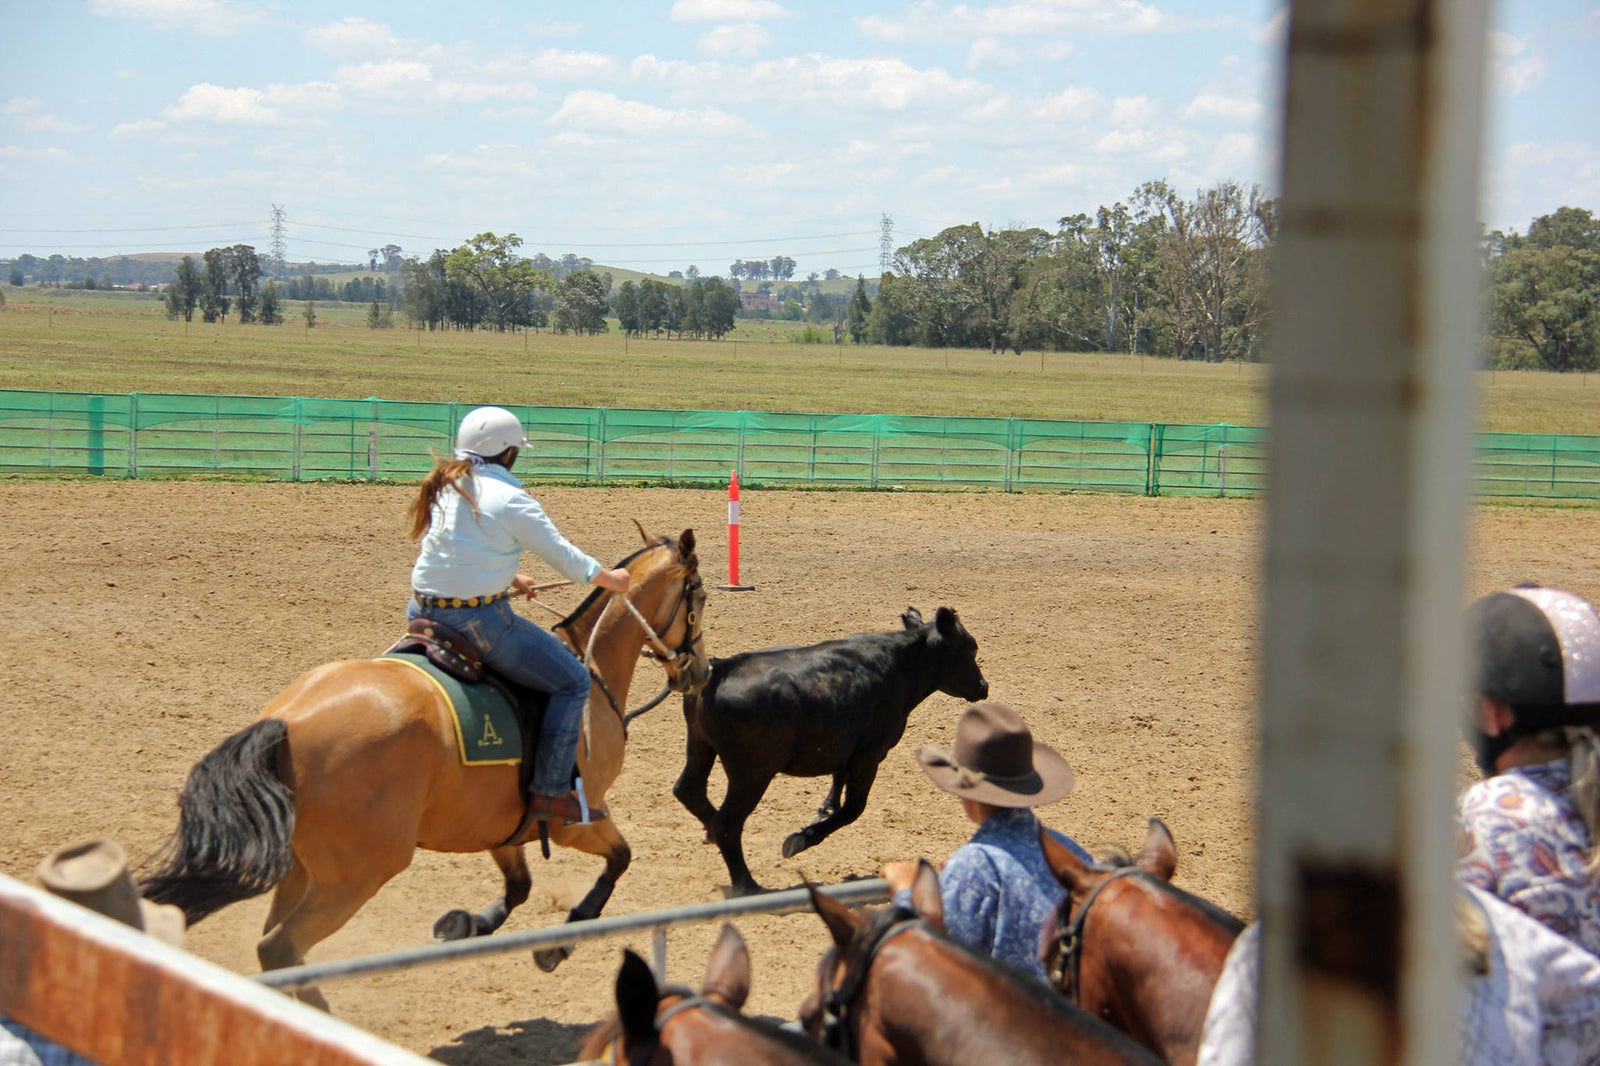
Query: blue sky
(655, 135)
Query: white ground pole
(1375, 344)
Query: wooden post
(1371, 392)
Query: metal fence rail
(305, 438)
(851, 893)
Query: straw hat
(996, 761)
(94, 874)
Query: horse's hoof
(455, 925)
(550, 958)
(794, 844)
(739, 891)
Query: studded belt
(460, 601)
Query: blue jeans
(533, 657)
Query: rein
(1069, 959)
(838, 1003)
(642, 1053)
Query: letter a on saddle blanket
(487, 733)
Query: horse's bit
(837, 1002)
(1069, 941)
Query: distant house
(754, 301)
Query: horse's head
(657, 1026)
(1129, 947)
(667, 588)
(829, 1014)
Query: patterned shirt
(1538, 1004)
(1520, 837)
(998, 890)
(21, 1046)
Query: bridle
(839, 1003)
(675, 661)
(642, 1053)
(1069, 941)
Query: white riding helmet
(488, 431)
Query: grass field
(123, 342)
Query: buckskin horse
(354, 766)
(895, 989)
(661, 1026)
(1128, 946)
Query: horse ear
(841, 921)
(728, 972)
(637, 998)
(926, 898)
(686, 544)
(1063, 861)
(1160, 854)
(642, 534)
(945, 620)
(912, 618)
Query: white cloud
(987, 111)
(988, 51)
(607, 112)
(123, 131)
(1123, 142)
(1516, 69)
(211, 17)
(1074, 103)
(1275, 31)
(884, 84)
(479, 92)
(354, 36)
(22, 105)
(738, 39)
(1227, 108)
(1055, 51)
(727, 10)
(555, 64)
(926, 20)
(309, 97)
(389, 78)
(47, 124)
(12, 151)
(1132, 110)
(230, 107)
(489, 161)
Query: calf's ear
(912, 618)
(945, 621)
(1063, 862)
(637, 998)
(1159, 855)
(841, 921)
(926, 898)
(728, 972)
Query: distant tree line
(705, 307)
(1544, 293)
(779, 266)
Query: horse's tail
(235, 818)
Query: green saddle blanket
(487, 733)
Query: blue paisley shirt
(1520, 837)
(998, 891)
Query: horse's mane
(1118, 859)
(595, 594)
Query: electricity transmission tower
(277, 240)
(885, 245)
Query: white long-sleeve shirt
(468, 554)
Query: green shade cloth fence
(303, 438)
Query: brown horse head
(660, 1026)
(1131, 948)
(667, 589)
(893, 988)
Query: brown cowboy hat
(996, 761)
(94, 874)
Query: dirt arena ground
(144, 622)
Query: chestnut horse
(1137, 952)
(660, 1027)
(355, 765)
(895, 989)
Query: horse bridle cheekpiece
(837, 1003)
(1069, 941)
(675, 661)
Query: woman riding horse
(478, 521)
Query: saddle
(459, 657)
